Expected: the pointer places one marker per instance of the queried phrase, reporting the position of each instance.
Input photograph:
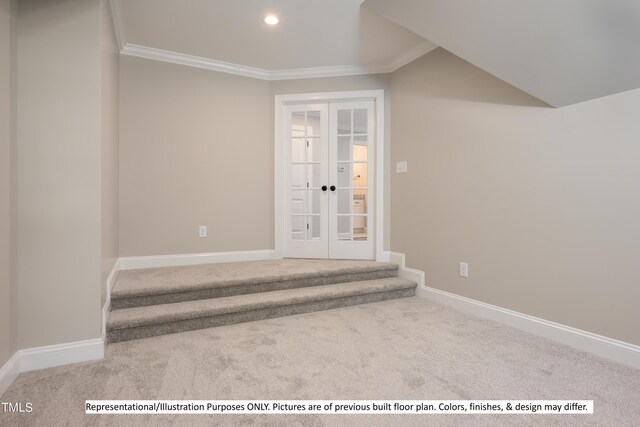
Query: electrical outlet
(401, 167)
(464, 269)
(202, 231)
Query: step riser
(147, 300)
(248, 316)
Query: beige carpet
(399, 349)
(220, 275)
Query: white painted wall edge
(132, 263)
(9, 372)
(608, 348)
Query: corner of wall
(13, 160)
(109, 134)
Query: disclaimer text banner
(510, 407)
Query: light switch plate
(401, 167)
(464, 269)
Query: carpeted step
(141, 322)
(145, 287)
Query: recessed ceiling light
(271, 20)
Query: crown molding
(131, 49)
(117, 23)
(340, 70)
(262, 74)
(194, 61)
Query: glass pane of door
(360, 124)
(352, 173)
(329, 145)
(306, 174)
(351, 138)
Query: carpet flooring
(400, 349)
(168, 280)
(157, 301)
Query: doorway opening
(329, 175)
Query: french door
(328, 183)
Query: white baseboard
(50, 356)
(132, 263)
(609, 348)
(83, 351)
(35, 358)
(406, 272)
(105, 313)
(602, 346)
(32, 359)
(111, 280)
(9, 372)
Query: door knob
(333, 188)
(324, 188)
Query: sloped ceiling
(560, 51)
(311, 34)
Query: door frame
(278, 172)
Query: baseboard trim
(9, 372)
(602, 346)
(406, 272)
(32, 359)
(608, 348)
(132, 263)
(111, 280)
(105, 313)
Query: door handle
(324, 188)
(333, 188)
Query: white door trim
(279, 208)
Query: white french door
(329, 157)
(307, 219)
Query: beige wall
(110, 54)
(195, 149)
(542, 203)
(7, 105)
(539, 201)
(58, 172)
(349, 83)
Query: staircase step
(141, 322)
(152, 286)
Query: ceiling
(311, 35)
(562, 52)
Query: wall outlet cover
(464, 269)
(401, 167)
